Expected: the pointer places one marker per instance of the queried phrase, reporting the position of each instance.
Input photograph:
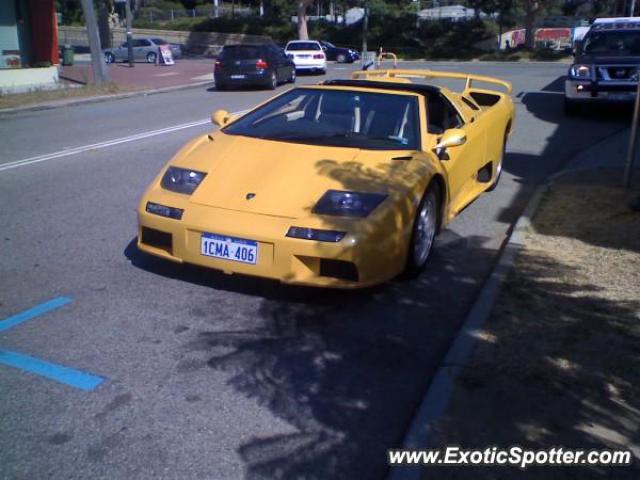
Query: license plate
(303, 56)
(229, 248)
(238, 77)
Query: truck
(605, 67)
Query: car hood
(286, 179)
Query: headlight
(182, 180)
(580, 71)
(348, 204)
(315, 234)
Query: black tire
(342, 58)
(273, 81)
(322, 71)
(494, 184)
(571, 108)
(152, 57)
(416, 257)
(221, 86)
(109, 57)
(292, 76)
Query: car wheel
(571, 108)
(151, 57)
(322, 71)
(292, 76)
(425, 228)
(342, 58)
(494, 184)
(109, 57)
(273, 81)
(221, 86)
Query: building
(449, 12)
(28, 45)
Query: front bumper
(588, 91)
(360, 259)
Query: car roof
(302, 41)
(418, 88)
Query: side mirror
(324, 48)
(221, 117)
(451, 138)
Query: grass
(43, 96)
(558, 362)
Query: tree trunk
(100, 75)
(529, 31)
(103, 24)
(301, 8)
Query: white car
(307, 55)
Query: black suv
(258, 65)
(606, 65)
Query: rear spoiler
(429, 75)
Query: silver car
(144, 50)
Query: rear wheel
(342, 58)
(109, 57)
(494, 184)
(292, 76)
(425, 227)
(151, 57)
(221, 86)
(273, 81)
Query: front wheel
(342, 58)
(109, 57)
(151, 57)
(425, 227)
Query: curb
(436, 400)
(101, 98)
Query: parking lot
(132, 367)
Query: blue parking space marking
(58, 373)
(36, 311)
(66, 375)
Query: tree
(301, 10)
(532, 8)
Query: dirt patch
(558, 362)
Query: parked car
(144, 50)
(307, 55)
(343, 184)
(260, 65)
(339, 54)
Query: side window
(441, 115)
(145, 43)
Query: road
(208, 375)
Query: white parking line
(109, 143)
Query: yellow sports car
(342, 184)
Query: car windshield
(339, 118)
(303, 46)
(613, 43)
(159, 41)
(241, 52)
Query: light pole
(127, 5)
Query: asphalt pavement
(205, 375)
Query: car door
(462, 162)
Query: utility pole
(216, 8)
(631, 152)
(633, 8)
(100, 75)
(127, 5)
(417, 13)
(365, 27)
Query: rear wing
(429, 75)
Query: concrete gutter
(100, 98)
